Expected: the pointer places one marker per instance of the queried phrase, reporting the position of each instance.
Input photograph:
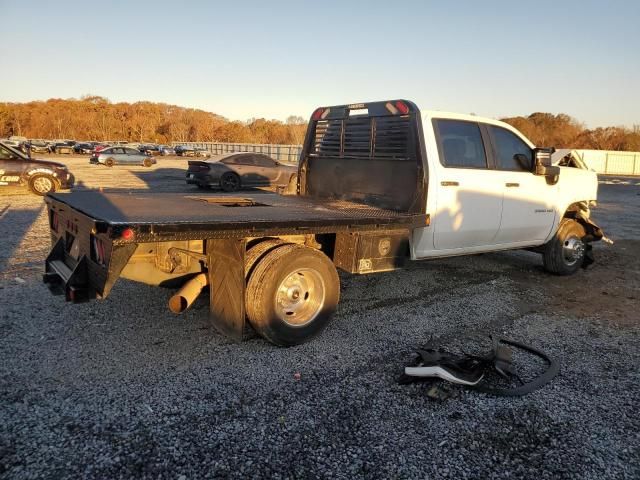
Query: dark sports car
(233, 171)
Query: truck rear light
(53, 221)
(98, 251)
(320, 113)
(128, 234)
(402, 107)
(389, 106)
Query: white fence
(282, 153)
(612, 162)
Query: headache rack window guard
(362, 137)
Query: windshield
(6, 152)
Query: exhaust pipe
(188, 293)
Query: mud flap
(225, 259)
(81, 279)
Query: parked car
(233, 171)
(150, 148)
(166, 150)
(40, 176)
(61, 147)
(184, 151)
(83, 148)
(121, 156)
(39, 146)
(101, 146)
(201, 152)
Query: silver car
(121, 156)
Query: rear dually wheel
(291, 294)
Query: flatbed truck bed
(155, 216)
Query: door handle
(512, 184)
(449, 184)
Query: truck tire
(564, 253)
(230, 182)
(256, 252)
(42, 184)
(291, 294)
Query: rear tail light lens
(128, 234)
(402, 107)
(98, 254)
(320, 113)
(53, 220)
(199, 167)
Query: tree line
(563, 131)
(96, 118)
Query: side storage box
(369, 252)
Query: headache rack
(364, 137)
(370, 153)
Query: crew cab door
(528, 211)
(469, 196)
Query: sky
(271, 58)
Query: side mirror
(542, 163)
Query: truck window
(461, 144)
(507, 145)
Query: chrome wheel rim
(300, 297)
(42, 185)
(572, 250)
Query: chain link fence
(282, 153)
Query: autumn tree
(96, 118)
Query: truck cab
(484, 191)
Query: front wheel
(42, 184)
(109, 162)
(291, 294)
(565, 252)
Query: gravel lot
(122, 388)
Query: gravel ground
(121, 388)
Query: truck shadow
(15, 224)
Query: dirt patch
(609, 289)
